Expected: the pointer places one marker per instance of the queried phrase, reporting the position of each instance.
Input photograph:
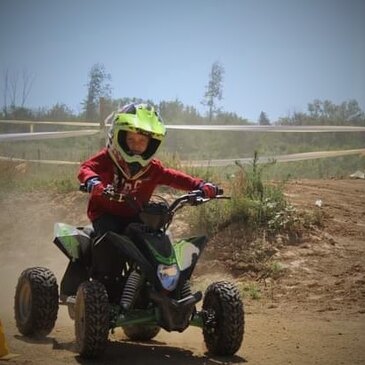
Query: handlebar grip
(83, 188)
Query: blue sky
(278, 55)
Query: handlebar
(193, 198)
(83, 188)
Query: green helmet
(138, 118)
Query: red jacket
(141, 186)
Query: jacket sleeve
(93, 167)
(177, 179)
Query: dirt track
(314, 314)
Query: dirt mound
(322, 268)
(326, 272)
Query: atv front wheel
(223, 318)
(140, 332)
(91, 319)
(36, 302)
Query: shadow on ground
(152, 352)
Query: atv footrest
(64, 299)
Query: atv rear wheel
(223, 318)
(91, 319)
(36, 302)
(140, 332)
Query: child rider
(127, 163)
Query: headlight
(169, 276)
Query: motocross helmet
(137, 118)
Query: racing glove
(209, 190)
(94, 186)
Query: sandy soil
(312, 314)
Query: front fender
(71, 240)
(188, 251)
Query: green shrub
(254, 202)
(252, 290)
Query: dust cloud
(26, 239)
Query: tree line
(98, 103)
(17, 88)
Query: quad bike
(138, 281)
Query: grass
(257, 192)
(275, 270)
(251, 290)
(22, 176)
(66, 149)
(323, 168)
(253, 203)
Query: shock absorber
(130, 290)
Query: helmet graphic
(137, 118)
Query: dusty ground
(313, 313)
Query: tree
(172, 111)
(97, 87)
(10, 90)
(28, 80)
(263, 119)
(59, 112)
(326, 112)
(214, 90)
(6, 91)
